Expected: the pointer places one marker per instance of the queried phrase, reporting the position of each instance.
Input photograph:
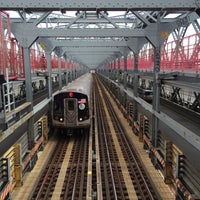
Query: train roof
(81, 85)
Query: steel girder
(80, 21)
(39, 5)
(91, 49)
(89, 43)
(144, 16)
(29, 29)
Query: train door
(71, 112)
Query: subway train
(71, 106)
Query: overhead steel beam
(92, 49)
(84, 43)
(38, 5)
(109, 20)
(81, 43)
(75, 19)
(87, 59)
(67, 20)
(140, 17)
(43, 17)
(28, 29)
(77, 53)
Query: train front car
(71, 106)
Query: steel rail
(74, 178)
(100, 117)
(121, 191)
(126, 145)
(76, 181)
(47, 179)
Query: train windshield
(71, 105)
(148, 92)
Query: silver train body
(71, 107)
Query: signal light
(71, 94)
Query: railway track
(75, 170)
(112, 179)
(114, 148)
(74, 186)
(46, 183)
(101, 164)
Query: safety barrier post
(136, 128)
(5, 177)
(130, 113)
(18, 165)
(180, 188)
(141, 124)
(31, 154)
(168, 162)
(45, 127)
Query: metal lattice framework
(71, 26)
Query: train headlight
(80, 119)
(81, 106)
(61, 119)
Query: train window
(148, 93)
(58, 107)
(71, 105)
